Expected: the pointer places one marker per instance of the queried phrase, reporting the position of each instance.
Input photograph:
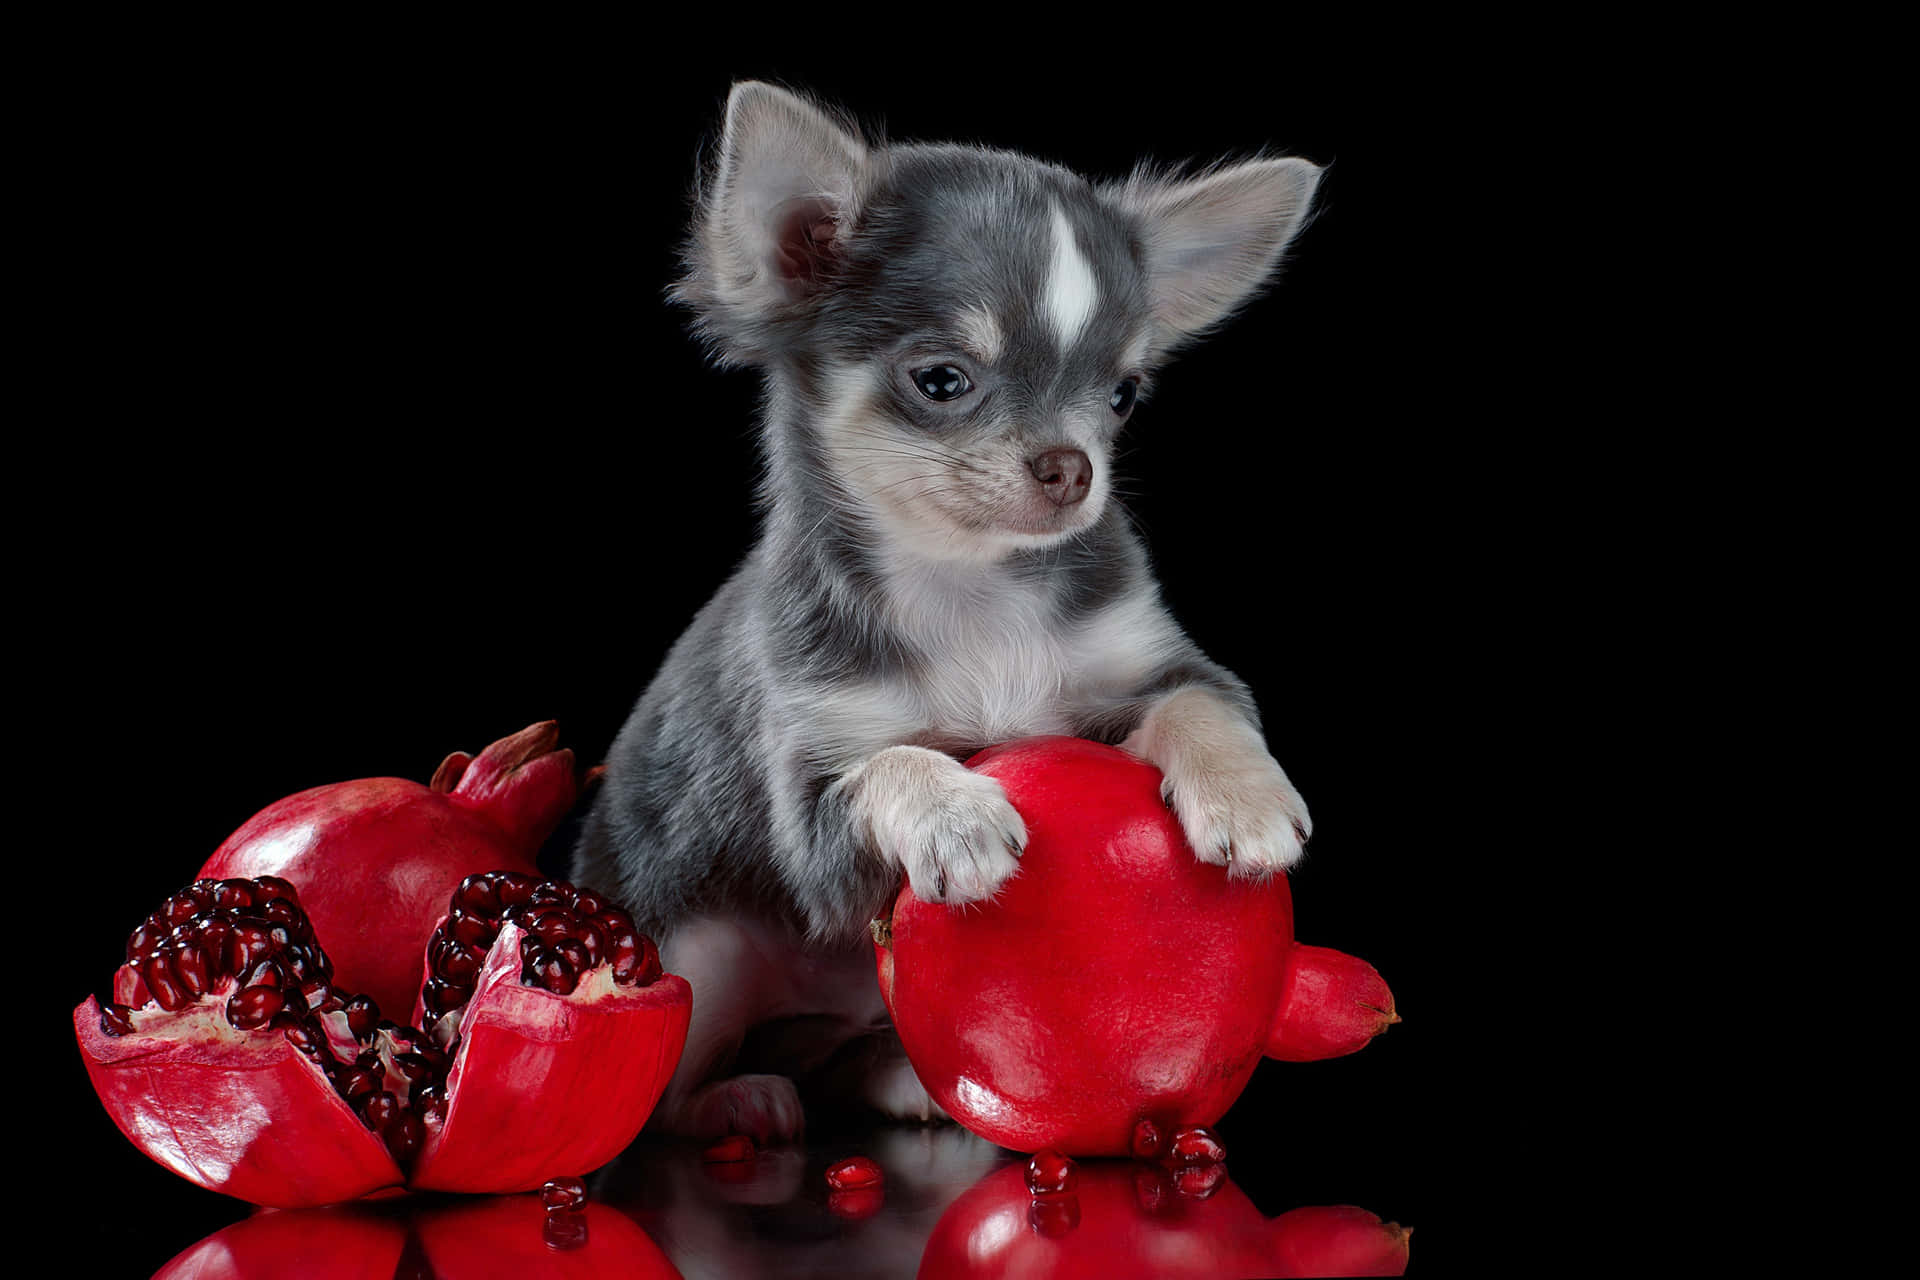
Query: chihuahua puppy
(950, 338)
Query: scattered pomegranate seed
(1196, 1145)
(729, 1150)
(853, 1174)
(563, 1193)
(1050, 1172)
(1198, 1181)
(1147, 1140)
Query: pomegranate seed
(1196, 1145)
(477, 894)
(552, 893)
(247, 944)
(574, 952)
(404, 1136)
(363, 1015)
(456, 963)
(254, 1007)
(189, 966)
(1050, 1172)
(380, 1110)
(1053, 1216)
(1147, 1140)
(430, 1098)
(853, 1174)
(514, 888)
(267, 973)
(116, 1019)
(729, 1150)
(352, 1082)
(160, 981)
(307, 1038)
(550, 971)
(270, 887)
(144, 939)
(229, 894)
(179, 909)
(588, 903)
(564, 1229)
(638, 967)
(564, 1193)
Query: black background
(385, 443)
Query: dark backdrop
(387, 444)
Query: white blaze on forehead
(1071, 291)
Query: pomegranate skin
(543, 1086)
(1116, 977)
(348, 1242)
(1332, 1004)
(252, 1119)
(374, 858)
(1340, 1240)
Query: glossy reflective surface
(949, 1205)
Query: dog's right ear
(775, 205)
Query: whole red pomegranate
(374, 858)
(229, 1054)
(1116, 979)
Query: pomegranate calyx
(524, 782)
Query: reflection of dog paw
(893, 1090)
(950, 828)
(764, 1107)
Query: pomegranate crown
(524, 783)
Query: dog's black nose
(1064, 475)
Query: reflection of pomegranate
(466, 1240)
(1116, 978)
(228, 1055)
(374, 858)
(1125, 1219)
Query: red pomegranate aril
(1196, 1145)
(1147, 1141)
(1049, 1172)
(190, 970)
(229, 894)
(144, 939)
(588, 903)
(116, 1019)
(514, 888)
(380, 1109)
(179, 909)
(636, 961)
(552, 972)
(471, 930)
(478, 894)
(158, 974)
(574, 952)
(564, 1193)
(254, 1007)
(363, 1016)
(853, 1174)
(354, 1082)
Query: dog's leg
(951, 829)
(1233, 800)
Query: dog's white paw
(1240, 813)
(1233, 800)
(950, 828)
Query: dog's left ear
(1212, 241)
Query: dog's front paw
(950, 828)
(1240, 813)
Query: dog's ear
(783, 187)
(1211, 241)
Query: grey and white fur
(951, 338)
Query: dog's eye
(941, 383)
(1123, 397)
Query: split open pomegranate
(228, 1055)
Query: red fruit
(855, 1173)
(373, 858)
(1196, 1146)
(1115, 978)
(346, 1242)
(1332, 1004)
(307, 1102)
(563, 1194)
(1126, 1219)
